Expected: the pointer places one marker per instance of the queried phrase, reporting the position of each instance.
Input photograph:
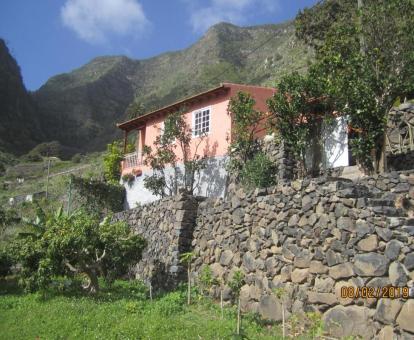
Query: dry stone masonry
(309, 237)
(167, 226)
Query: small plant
(280, 293)
(186, 259)
(207, 279)
(258, 172)
(129, 179)
(235, 285)
(316, 326)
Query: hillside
(80, 108)
(19, 128)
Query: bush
(68, 245)
(169, 304)
(32, 156)
(76, 158)
(6, 263)
(258, 172)
(112, 162)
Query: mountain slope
(20, 129)
(80, 108)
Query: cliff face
(19, 125)
(80, 108)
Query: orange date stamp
(389, 292)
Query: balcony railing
(132, 160)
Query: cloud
(234, 11)
(94, 20)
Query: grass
(120, 312)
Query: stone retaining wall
(309, 237)
(312, 238)
(167, 226)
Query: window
(201, 122)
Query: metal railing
(132, 160)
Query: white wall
(211, 183)
(335, 138)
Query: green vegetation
(298, 109)
(79, 243)
(112, 160)
(251, 167)
(173, 141)
(365, 54)
(121, 311)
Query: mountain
(80, 108)
(20, 129)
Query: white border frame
(193, 113)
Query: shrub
(258, 172)
(112, 162)
(65, 245)
(76, 158)
(6, 263)
(169, 304)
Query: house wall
(211, 182)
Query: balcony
(132, 163)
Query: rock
(285, 273)
(293, 220)
(324, 285)
(345, 223)
(397, 274)
(409, 261)
(369, 243)
(349, 321)
(217, 270)
(392, 250)
(386, 333)
(302, 261)
(324, 298)
(316, 267)
(384, 233)
(405, 318)
(341, 271)
(299, 275)
(333, 258)
(387, 310)
(342, 298)
(226, 257)
(370, 264)
(249, 262)
(270, 308)
(238, 215)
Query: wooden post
(70, 194)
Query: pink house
(207, 115)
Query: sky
(49, 37)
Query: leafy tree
(63, 244)
(235, 284)
(367, 61)
(172, 147)
(98, 197)
(297, 109)
(112, 162)
(246, 124)
(186, 259)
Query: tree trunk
(238, 316)
(189, 286)
(93, 286)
